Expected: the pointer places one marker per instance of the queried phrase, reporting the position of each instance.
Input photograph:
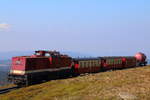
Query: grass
(7, 86)
(115, 85)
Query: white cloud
(4, 26)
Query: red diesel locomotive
(47, 65)
(43, 65)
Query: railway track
(2, 91)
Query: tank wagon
(47, 65)
(141, 59)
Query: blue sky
(96, 27)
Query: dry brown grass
(116, 85)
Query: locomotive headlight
(20, 72)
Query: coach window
(90, 63)
(84, 64)
(80, 64)
(87, 63)
(99, 62)
(112, 61)
(108, 61)
(116, 61)
(120, 61)
(93, 63)
(96, 63)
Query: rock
(127, 96)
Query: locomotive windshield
(37, 54)
(47, 54)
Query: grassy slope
(133, 83)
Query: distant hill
(4, 70)
(148, 61)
